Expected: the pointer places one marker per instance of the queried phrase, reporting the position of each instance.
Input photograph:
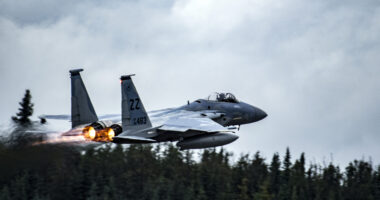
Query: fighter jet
(204, 123)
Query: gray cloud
(313, 66)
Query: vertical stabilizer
(82, 111)
(133, 114)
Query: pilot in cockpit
(226, 97)
(221, 97)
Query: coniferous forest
(61, 171)
(164, 172)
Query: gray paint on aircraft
(82, 110)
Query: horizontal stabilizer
(39, 132)
(57, 117)
(132, 140)
(68, 117)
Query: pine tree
(358, 181)
(26, 110)
(298, 180)
(257, 173)
(331, 179)
(274, 175)
(239, 174)
(215, 174)
(286, 188)
(312, 178)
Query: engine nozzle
(99, 132)
(89, 133)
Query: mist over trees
(61, 171)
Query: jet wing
(202, 124)
(132, 139)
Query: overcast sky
(313, 66)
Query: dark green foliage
(330, 183)
(215, 174)
(376, 184)
(26, 110)
(285, 185)
(164, 172)
(359, 184)
(274, 177)
(298, 180)
(312, 182)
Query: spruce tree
(257, 172)
(331, 179)
(274, 175)
(240, 180)
(312, 180)
(285, 188)
(298, 180)
(26, 110)
(358, 180)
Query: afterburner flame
(103, 135)
(111, 134)
(91, 133)
(80, 135)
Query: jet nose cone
(258, 114)
(261, 114)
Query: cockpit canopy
(222, 97)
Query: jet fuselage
(233, 113)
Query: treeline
(164, 172)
